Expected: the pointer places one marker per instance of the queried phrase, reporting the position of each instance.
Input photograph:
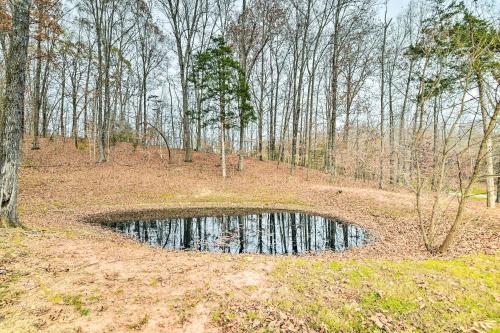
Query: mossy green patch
(376, 295)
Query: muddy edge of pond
(150, 214)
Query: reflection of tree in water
(270, 233)
(186, 241)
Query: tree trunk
(222, 105)
(382, 116)
(310, 122)
(243, 62)
(298, 87)
(435, 157)
(10, 126)
(185, 119)
(63, 88)
(74, 102)
(99, 107)
(44, 107)
(199, 118)
(392, 138)
(261, 111)
(138, 114)
(490, 178)
(483, 150)
(347, 125)
(37, 88)
(145, 104)
(331, 160)
(106, 123)
(86, 97)
(498, 182)
(402, 138)
(242, 148)
(222, 148)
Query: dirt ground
(63, 274)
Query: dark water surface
(267, 233)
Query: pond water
(266, 233)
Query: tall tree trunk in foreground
(12, 112)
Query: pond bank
(64, 274)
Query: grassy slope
(63, 275)
(373, 295)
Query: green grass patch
(261, 196)
(376, 295)
(74, 300)
(8, 293)
(478, 190)
(140, 324)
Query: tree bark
(490, 178)
(498, 182)
(382, 116)
(260, 127)
(297, 95)
(11, 117)
(44, 106)
(185, 120)
(86, 97)
(222, 137)
(75, 78)
(331, 159)
(243, 62)
(392, 136)
(37, 88)
(63, 93)
(401, 169)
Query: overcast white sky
(394, 7)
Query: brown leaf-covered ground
(63, 274)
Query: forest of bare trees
(335, 85)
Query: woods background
(335, 85)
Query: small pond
(265, 233)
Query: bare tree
(382, 96)
(149, 39)
(184, 18)
(46, 15)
